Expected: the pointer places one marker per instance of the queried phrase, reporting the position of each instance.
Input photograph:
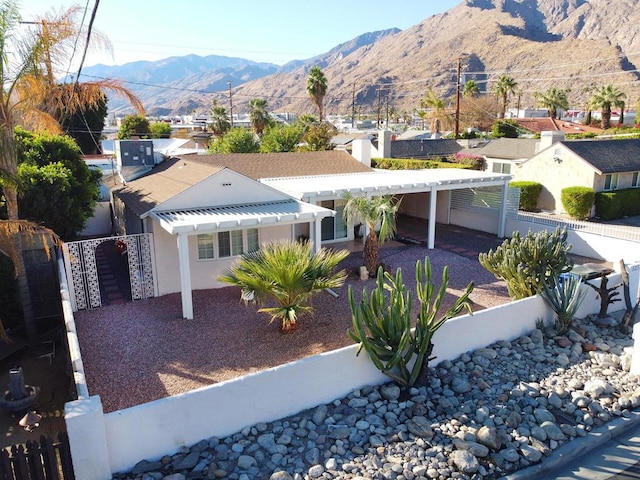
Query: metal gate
(82, 269)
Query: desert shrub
(577, 201)
(529, 193)
(527, 263)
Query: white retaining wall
(114, 442)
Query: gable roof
(608, 156)
(548, 124)
(161, 183)
(507, 148)
(290, 164)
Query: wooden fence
(44, 460)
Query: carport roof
(385, 182)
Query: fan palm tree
(288, 273)
(503, 88)
(317, 88)
(258, 114)
(438, 114)
(32, 97)
(376, 212)
(220, 123)
(606, 98)
(553, 99)
(470, 89)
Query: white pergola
(395, 182)
(187, 222)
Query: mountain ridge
(575, 44)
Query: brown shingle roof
(163, 182)
(291, 164)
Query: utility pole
(353, 106)
(457, 119)
(230, 103)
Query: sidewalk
(611, 452)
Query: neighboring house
(548, 124)
(603, 165)
(388, 145)
(502, 154)
(204, 210)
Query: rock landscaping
(488, 413)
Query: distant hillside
(575, 44)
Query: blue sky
(274, 31)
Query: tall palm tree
(553, 99)
(32, 97)
(376, 212)
(317, 88)
(258, 114)
(220, 123)
(605, 98)
(438, 114)
(470, 89)
(288, 273)
(503, 88)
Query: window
(611, 181)
(227, 244)
(333, 228)
(635, 181)
(501, 167)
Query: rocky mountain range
(576, 44)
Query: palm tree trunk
(371, 252)
(24, 293)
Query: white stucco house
(205, 210)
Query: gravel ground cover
(142, 351)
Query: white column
(316, 234)
(635, 359)
(503, 209)
(431, 237)
(185, 277)
(88, 438)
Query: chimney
(548, 138)
(361, 150)
(384, 143)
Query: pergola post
(185, 276)
(431, 237)
(317, 234)
(503, 209)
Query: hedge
(413, 164)
(529, 193)
(577, 201)
(618, 204)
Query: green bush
(577, 201)
(505, 129)
(618, 204)
(528, 263)
(413, 164)
(529, 193)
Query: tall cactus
(527, 263)
(382, 322)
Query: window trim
(613, 182)
(215, 244)
(635, 180)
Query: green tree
(376, 213)
(57, 188)
(134, 126)
(503, 88)
(159, 130)
(317, 88)
(470, 89)
(504, 129)
(318, 137)
(281, 138)
(605, 98)
(553, 99)
(258, 115)
(220, 123)
(238, 140)
(85, 126)
(290, 274)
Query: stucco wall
(555, 175)
(204, 273)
